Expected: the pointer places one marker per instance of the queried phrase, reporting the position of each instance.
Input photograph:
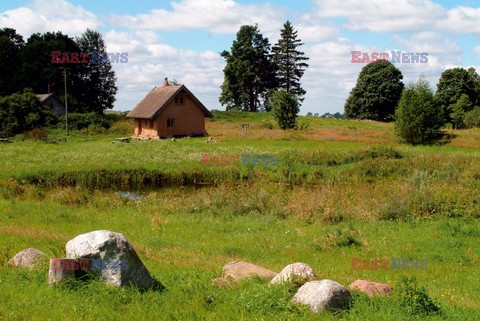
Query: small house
(52, 102)
(169, 111)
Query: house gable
(158, 98)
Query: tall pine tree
(249, 72)
(290, 61)
(98, 76)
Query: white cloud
(49, 15)
(150, 61)
(216, 16)
(462, 20)
(383, 15)
(401, 15)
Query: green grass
(341, 190)
(186, 248)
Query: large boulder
(29, 258)
(372, 288)
(323, 295)
(238, 270)
(117, 261)
(298, 273)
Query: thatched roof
(158, 98)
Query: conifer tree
(249, 72)
(290, 61)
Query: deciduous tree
(98, 77)
(377, 92)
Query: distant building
(52, 102)
(169, 111)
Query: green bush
(472, 118)
(124, 127)
(415, 299)
(80, 121)
(267, 124)
(301, 125)
(418, 117)
(285, 108)
(23, 112)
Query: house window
(150, 124)
(179, 100)
(170, 122)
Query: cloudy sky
(182, 39)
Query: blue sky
(181, 39)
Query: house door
(139, 127)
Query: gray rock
(112, 252)
(238, 270)
(299, 273)
(323, 295)
(29, 258)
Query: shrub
(122, 127)
(301, 125)
(267, 124)
(285, 108)
(418, 117)
(472, 118)
(23, 112)
(81, 121)
(415, 299)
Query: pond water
(130, 196)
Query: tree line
(91, 87)
(26, 69)
(419, 114)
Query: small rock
(112, 247)
(238, 270)
(299, 273)
(211, 140)
(323, 295)
(28, 258)
(372, 288)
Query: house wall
(189, 119)
(54, 106)
(145, 128)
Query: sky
(182, 39)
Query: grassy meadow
(342, 189)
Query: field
(342, 189)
